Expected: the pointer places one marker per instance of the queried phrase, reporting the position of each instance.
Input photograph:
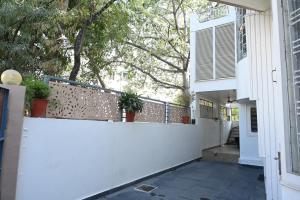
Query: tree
(92, 25)
(158, 45)
(30, 38)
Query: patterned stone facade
(75, 102)
(72, 102)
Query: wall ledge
(251, 161)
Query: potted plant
(184, 100)
(37, 93)
(131, 103)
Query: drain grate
(145, 188)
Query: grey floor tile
(205, 180)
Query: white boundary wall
(74, 159)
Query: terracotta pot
(38, 107)
(185, 119)
(130, 116)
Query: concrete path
(203, 180)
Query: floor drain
(201, 198)
(145, 188)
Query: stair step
(234, 133)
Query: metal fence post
(167, 112)
(46, 79)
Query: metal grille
(225, 51)
(145, 188)
(3, 119)
(241, 34)
(293, 68)
(204, 54)
(206, 109)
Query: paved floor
(226, 153)
(203, 180)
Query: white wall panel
(72, 159)
(260, 46)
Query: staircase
(234, 136)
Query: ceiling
(219, 96)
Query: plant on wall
(184, 100)
(131, 103)
(37, 93)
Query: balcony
(213, 50)
(213, 13)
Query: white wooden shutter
(204, 54)
(225, 51)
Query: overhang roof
(259, 5)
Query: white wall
(73, 159)
(211, 132)
(226, 128)
(243, 79)
(248, 140)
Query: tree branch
(175, 18)
(187, 61)
(154, 55)
(99, 12)
(18, 28)
(80, 38)
(100, 80)
(162, 83)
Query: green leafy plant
(131, 102)
(183, 99)
(35, 89)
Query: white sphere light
(11, 77)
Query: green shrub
(183, 99)
(35, 89)
(130, 102)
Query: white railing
(213, 13)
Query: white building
(249, 56)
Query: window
(253, 119)
(292, 22)
(241, 34)
(206, 109)
(235, 114)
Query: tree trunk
(100, 80)
(80, 38)
(185, 83)
(77, 54)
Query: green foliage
(183, 99)
(35, 89)
(37, 37)
(102, 39)
(235, 114)
(29, 38)
(131, 102)
(157, 47)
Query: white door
(288, 96)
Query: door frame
(286, 178)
